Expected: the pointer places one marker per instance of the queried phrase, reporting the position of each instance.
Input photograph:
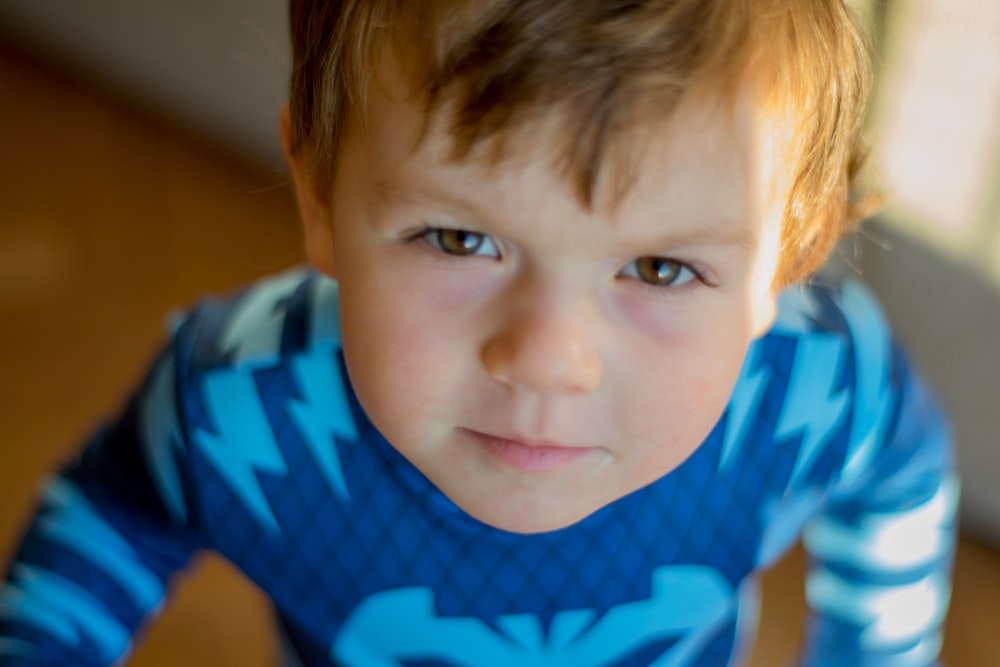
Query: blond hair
(605, 64)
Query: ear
(314, 210)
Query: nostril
(496, 360)
(543, 363)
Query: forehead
(706, 144)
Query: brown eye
(657, 271)
(461, 243)
(660, 271)
(458, 242)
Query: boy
(558, 408)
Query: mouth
(530, 455)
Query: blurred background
(140, 167)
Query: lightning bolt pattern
(72, 522)
(325, 324)
(162, 439)
(64, 610)
(321, 414)
(743, 405)
(813, 405)
(242, 444)
(372, 565)
(873, 388)
(797, 312)
(253, 335)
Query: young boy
(559, 408)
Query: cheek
(679, 395)
(719, 314)
(663, 322)
(401, 351)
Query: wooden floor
(107, 221)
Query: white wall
(219, 65)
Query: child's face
(534, 360)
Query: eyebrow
(388, 194)
(723, 233)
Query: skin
(538, 360)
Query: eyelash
(683, 270)
(432, 237)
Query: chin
(528, 521)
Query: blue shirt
(246, 439)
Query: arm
(109, 531)
(879, 582)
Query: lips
(530, 455)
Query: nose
(546, 348)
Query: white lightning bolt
(322, 412)
(796, 311)
(810, 406)
(744, 402)
(253, 333)
(324, 309)
(162, 437)
(244, 442)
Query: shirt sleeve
(109, 530)
(881, 553)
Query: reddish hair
(605, 65)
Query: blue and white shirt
(246, 439)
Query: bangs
(497, 71)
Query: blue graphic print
(247, 439)
(688, 604)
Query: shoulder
(839, 326)
(840, 339)
(827, 373)
(288, 314)
(836, 325)
(844, 309)
(259, 386)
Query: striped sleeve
(881, 554)
(108, 532)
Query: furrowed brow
(723, 234)
(738, 236)
(388, 194)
